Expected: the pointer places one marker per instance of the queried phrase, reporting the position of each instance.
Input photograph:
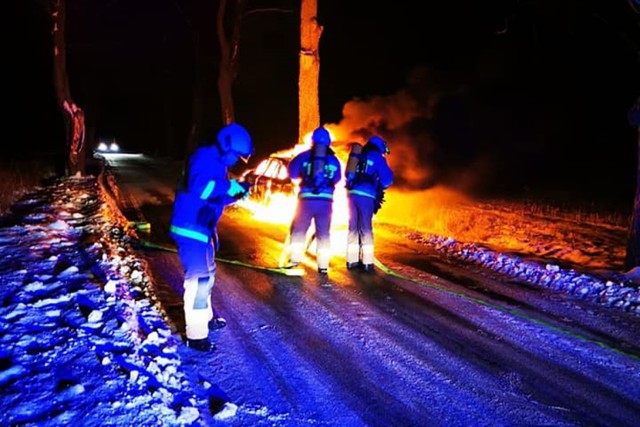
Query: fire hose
(144, 226)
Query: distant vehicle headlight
(108, 147)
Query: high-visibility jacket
(372, 170)
(201, 196)
(301, 167)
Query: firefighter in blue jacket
(203, 192)
(319, 171)
(365, 192)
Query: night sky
(488, 97)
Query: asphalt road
(429, 343)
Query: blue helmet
(380, 144)
(321, 136)
(236, 138)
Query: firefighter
(365, 193)
(319, 171)
(202, 193)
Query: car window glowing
(283, 173)
(262, 167)
(272, 169)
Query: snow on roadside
(81, 341)
(614, 290)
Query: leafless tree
(309, 73)
(228, 23)
(632, 258)
(229, 39)
(73, 114)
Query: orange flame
(280, 208)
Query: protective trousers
(320, 211)
(360, 235)
(198, 263)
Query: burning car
(269, 178)
(273, 194)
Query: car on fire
(270, 177)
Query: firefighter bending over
(319, 171)
(203, 192)
(367, 177)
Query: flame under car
(270, 178)
(273, 194)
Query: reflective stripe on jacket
(301, 165)
(372, 168)
(201, 198)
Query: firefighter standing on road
(201, 196)
(366, 182)
(319, 171)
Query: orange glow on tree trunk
(309, 73)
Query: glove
(235, 189)
(238, 191)
(245, 195)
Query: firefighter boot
(367, 257)
(203, 345)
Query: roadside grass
(447, 212)
(585, 234)
(20, 177)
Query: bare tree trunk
(73, 114)
(309, 73)
(633, 248)
(229, 52)
(632, 258)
